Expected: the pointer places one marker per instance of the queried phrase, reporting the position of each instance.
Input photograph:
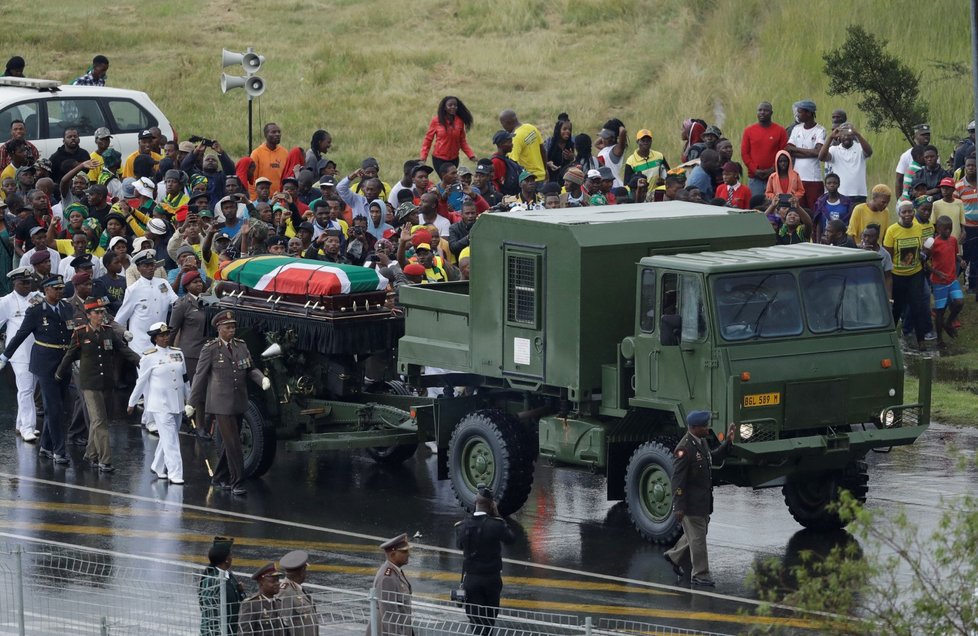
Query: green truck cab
(586, 335)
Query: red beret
(81, 277)
(189, 277)
(414, 269)
(39, 257)
(421, 236)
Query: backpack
(510, 184)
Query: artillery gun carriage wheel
(491, 447)
(392, 455)
(257, 442)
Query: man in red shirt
(759, 145)
(736, 194)
(18, 131)
(270, 157)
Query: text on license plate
(762, 399)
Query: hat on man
(144, 256)
(84, 260)
(21, 170)
(526, 174)
(54, 280)
(484, 167)
(713, 130)
(593, 173)
(947, 181)
(294, 560)
(606, 173)
(400, 542)
(102, 133)
(698, 418)
(34, 230)
(199, 195)
(39, 257)
(142, 187)
(645, 132)
(306, 225)
(157, 328)
(223, 236)
(145, 134)
(413, 269)
(732, 167)
(186, 146)
(128, 187)
(501, 136)
(97, 189)
(92, 303)
(220, 550)
(44, 163)
(922, 128)
(369, 162)
(462, 171)
(607, 133)
(81, 277)
(185, 250)
(116, 240)
(139, 244)
(421, 236)
(189, 277)
(422, 168)
(574, 175)
(262, 180)
(156, 226)
(422, 246)
(21, 273)
(271, 241)
(266, 570)
(289, 180)
(174, 174)
(405, 209)
(327, 182)
(223, 318)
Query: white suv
(47, 108)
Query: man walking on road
(693, 495)
(13, 308)
(393, 590)
(479, 538)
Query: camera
(458, 595)
(484, 491)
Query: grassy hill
(372, 72)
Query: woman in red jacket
(447, 129)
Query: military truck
(586, 335)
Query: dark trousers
(53, 396)
(970, 250)
(437, 163)
(909, 291)
(482, 593)
(230, 463)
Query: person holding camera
(480, 538)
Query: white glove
(127, 335)
(189, 410)
(266, 384)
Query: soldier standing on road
(693, 495)
(480, 537)
(298, 606)
(47, 322)
(261, 614)
(97, 347)
(393, 590)
(219, 388)
(162, 383)
(13, 308)
(215, 575)
(188, 321)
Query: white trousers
(167, 460)
(26, 411)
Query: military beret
(222, 318)
(414, 269)
(266, 570)
(81, 277)
(698, 418)
(294, 560)
(400, 542)
(189, 277)
(39, 257)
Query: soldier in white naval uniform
(13, 306)
(146, 302)
(164, 386)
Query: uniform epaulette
(237, 340)
(175, 348)
(210, 342)
(149, 351)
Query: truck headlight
(746, 431)
(888, 418)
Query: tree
(903, 584)
(890, 89)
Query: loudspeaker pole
(250, 126)
(253, 85)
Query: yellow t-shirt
(905, 243)
(953, 210)
(127, 166)
(527, 143)
(926, 229)
(863, 215)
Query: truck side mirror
(670, 330)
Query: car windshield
(845, 299)
(761, 305)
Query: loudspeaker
(254, 86)
(250, 61)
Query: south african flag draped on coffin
(301, 277)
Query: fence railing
(46, 588)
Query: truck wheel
(648, 492)
(810, 495)
(257, 442)
(391, 455)
(490, 447)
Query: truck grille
(764, 431)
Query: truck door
(682, 355)
(524, 317)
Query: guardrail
(48, 588)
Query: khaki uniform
(299, 608)
(693, 496)
(189, 324)
(262, 616)
(394, 601)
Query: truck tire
(809, 495)
(257, 442)
(491, 447)
(392, 455)
(648, 493)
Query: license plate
(762, 399)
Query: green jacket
(209, 597)
(693, 479)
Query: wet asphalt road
(575, 552)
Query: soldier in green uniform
(393, 590)
(97, 347)
(215, 575)
(298, 606)
(693, 495)
(261, 614)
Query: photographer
(216, 165)
(480, 538)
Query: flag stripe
(296, 276)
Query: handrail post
(19, 590)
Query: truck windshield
(761, 305)
(845, 298)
